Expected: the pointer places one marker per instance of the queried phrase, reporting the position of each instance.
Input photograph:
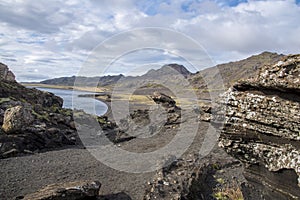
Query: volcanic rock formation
(262, 129)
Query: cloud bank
(46, 39)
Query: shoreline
(63, 87)
(140, 101)
(93, 94)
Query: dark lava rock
(193, 178)
(79, 190)
(169, 104)
(163, 99)
(33, 121)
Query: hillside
(233, 71)
(86, 81)
(166, 70)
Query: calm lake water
(89, 105)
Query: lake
(89, 105)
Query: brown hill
(232, 72)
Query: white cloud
(56, 36)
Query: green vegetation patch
(3, 100)
(43, 116)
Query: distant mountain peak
(169, 69)
(180, 68)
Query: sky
(46, 39)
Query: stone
(206, 117)
(16, 119)
(10, 152)
(53, 130)
(72, 125)
(78, 190)
(163, 99)
(10, 76)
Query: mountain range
(229, 73)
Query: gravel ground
(23, 175)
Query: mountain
(230, 72)
(86, 81)
(165, 79)
(167, 70)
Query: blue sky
(46, 39)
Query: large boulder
(16, 119)
(262, 129)
(163, 99)
(78, 190)
(169, 104)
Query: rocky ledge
(33, 121)
(262, 129)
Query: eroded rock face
(79, 190)
(262, 128)
(16, 119)
(5, 73)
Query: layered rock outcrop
(261, 128)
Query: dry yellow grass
(229, 193)
(87, 89)
(140, 99)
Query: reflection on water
(89, 105)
